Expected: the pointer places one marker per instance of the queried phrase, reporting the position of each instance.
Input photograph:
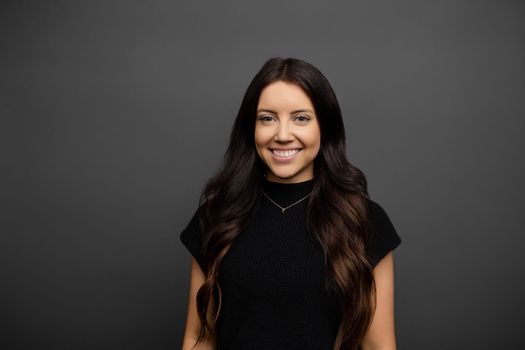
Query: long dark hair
(337, 209)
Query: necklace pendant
(282, 211)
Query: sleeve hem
(385, 249)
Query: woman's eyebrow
(293, 112)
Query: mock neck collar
(287, 193)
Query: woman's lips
(286, 156)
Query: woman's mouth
(285, 156)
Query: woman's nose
(283, 133)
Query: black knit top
(273, 294)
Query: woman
(289, 252)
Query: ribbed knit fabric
(273, 294)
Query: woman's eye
(265, 117)
(302, 118)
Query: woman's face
(287, 133)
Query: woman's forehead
(284, 97)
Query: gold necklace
(283, 209)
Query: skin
(279, 125)
(286, 119)
(381, 333)
(191, 329)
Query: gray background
(114, 114)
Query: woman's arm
(381, 334)
(192, 321)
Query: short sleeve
(384, 237)
(191, 238)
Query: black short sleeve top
(272, 278)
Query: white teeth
(285, 154)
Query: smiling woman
(289, 251)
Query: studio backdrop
(113, 114)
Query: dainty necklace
(291, 205)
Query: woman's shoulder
(375, 211)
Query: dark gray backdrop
(114, 114)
